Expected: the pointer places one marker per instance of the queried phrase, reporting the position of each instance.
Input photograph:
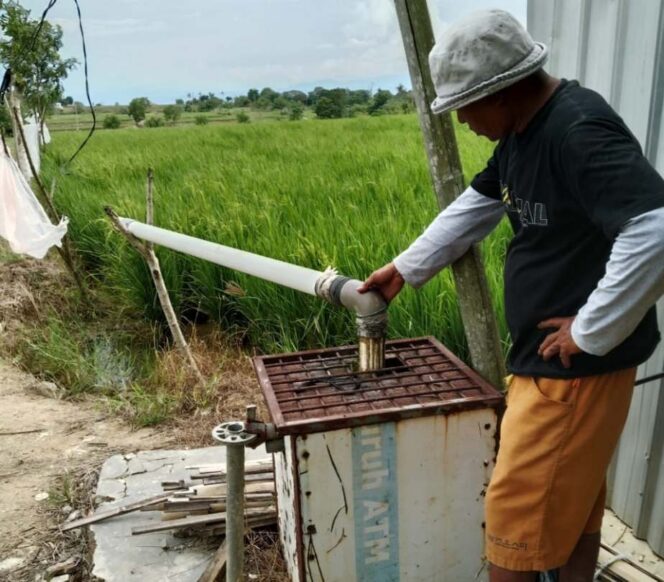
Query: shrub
(201, 120)
(138, 108)
(327, 108)
(154, 121)
(172, 113)
(296, 112)
(242, 117)
(111, 122)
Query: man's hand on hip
(560, 342)
(386, 280)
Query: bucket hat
(479, 55)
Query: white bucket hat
(480, 55)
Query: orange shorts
(548, 487)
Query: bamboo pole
(146, 250)
(479, 320)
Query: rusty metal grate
(320, 390)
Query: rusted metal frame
(386, 398)
(376, 386)
(303, 384)
(294, 358)
(299, 385)
(361, 418)
(268, 394)
(384, 408)
(368, 373)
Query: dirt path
(63, 437)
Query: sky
(166, 49)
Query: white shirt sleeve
(470, 218)
(633, 282)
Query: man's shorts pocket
(557, 391)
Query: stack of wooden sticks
(201, 508)
(198, 507)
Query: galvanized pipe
(370, 308)
(234, 435)
(235, 512)
(371, 353)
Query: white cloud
(167, 48)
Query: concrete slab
(156, 557)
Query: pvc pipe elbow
(370, 307)
(366, 304)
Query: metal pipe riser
(371, 311)
(235, 513)
(371, 353)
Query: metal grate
(320, 390)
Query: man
(582, 274)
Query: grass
(112, 354)
(349, 193)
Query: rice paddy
(350, 193)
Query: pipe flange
(233, 432)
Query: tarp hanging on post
(23, 221)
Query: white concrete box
(383, 473)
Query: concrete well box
(384, 473)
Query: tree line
(326, 103)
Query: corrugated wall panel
(616, 47)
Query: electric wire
(649, 379)
(87, 85)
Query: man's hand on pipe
(560, 342)
(387, 281)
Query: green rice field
(350, 193)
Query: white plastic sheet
(23, 221)
(35, 137)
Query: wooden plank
(200, 520)
(249, 467)
(212, 478)
(117, 511)
(219, 490)
(479, 320)
(213, 506)
(216, 568)
(624, 569)
(217, 530)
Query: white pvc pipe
(292, 276)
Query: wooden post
(479, 320)
(146, 250)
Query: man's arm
(623, 195)
(470, 218)
(633, 282)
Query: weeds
(64, 492)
